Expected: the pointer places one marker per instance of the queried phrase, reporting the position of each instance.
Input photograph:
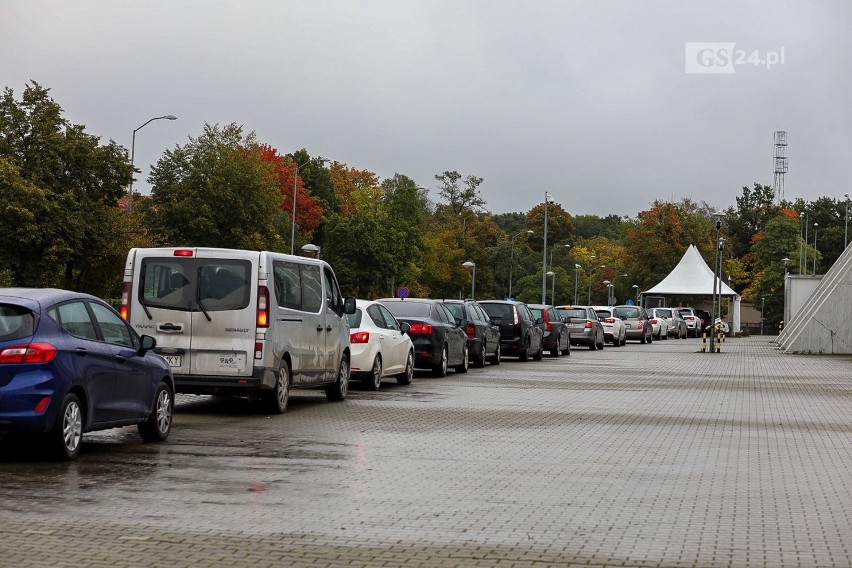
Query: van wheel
(374, 380)
(465, 360)
(158, 425)
(67, 433)
(408, 376)
(340, 388)
(440, 370)
(276, 401)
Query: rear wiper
(145, 307)
(198, 295)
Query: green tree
(217, 191)
(460, 194)
(59, 192)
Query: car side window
(390, 321)
(444, 314)
(376, 316)
(113, 328)
(74, 318)
(524, 313)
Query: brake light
(183, 252)
(125, 301)
(470, 330)
(262, 306)
(421, 329)
(589, 324)
(652, 322)
(258, 350)
(548, 326)
(359, 337)
(641, 325)
(31, 353)
(609, 320)
(517, 321)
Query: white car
(659, 323)
(380, 346)
(614, 330)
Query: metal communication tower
(780, 162)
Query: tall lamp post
(816, 226)
(295, 187)
(591, 270)
(716, 279)
(608, 292)
(806, 241)
(552, 276)
(846, 223)
(801, 239)
(762, 302)
(577, 269)
(547, 199)
(133, 153)
(512, 258)
(472, 265)
(636, 288)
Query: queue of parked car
(256, 325)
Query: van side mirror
(349, 305)
(146, 344)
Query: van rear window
(181, 283)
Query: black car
(520, 335)
(483, 336)
(555, 333)
(439, 342)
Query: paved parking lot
(644, 455)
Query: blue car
(70, 364)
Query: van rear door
(224, 319)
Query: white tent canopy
(692, 277)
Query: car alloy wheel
(374, 381)
(158, 425)
(67, 433)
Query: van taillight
(470, 330)
(125, 300)
(258, 350)
(183, 252)
(262, 306)
(31, 353)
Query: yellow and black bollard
(704, 341)
(719, 336)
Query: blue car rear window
(15, 322)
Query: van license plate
(173, 360)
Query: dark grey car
(519, 332)
(483, 336)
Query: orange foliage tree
(308, 210)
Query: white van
(237, 322)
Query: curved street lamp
(472, 265)
(133, 153)
(577, 269)
(591, 270)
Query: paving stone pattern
(643, 455)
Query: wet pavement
(644, 455)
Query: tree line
(68, 222)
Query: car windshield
(355, 319)
(627, 312)
(15, 322)
(456, 310)
(573, 313)
(409, 309)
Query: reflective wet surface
(604, 457)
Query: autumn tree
(460, 193)
(59, 189)
(346, 181)
(217, 190)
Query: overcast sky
(589, 101)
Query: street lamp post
(591, 270)
(762, 301)
(472, 265)
(544, 253)
(846, 223)
(636, 287)
(512, 258)
(295, 187)
(801, 240)
(552, 276)
(716, 279)
(577, 269)
(133, 154)
(816, 226)
(608, 292)
(310, 247)
(806, 242)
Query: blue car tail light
(27, 353)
